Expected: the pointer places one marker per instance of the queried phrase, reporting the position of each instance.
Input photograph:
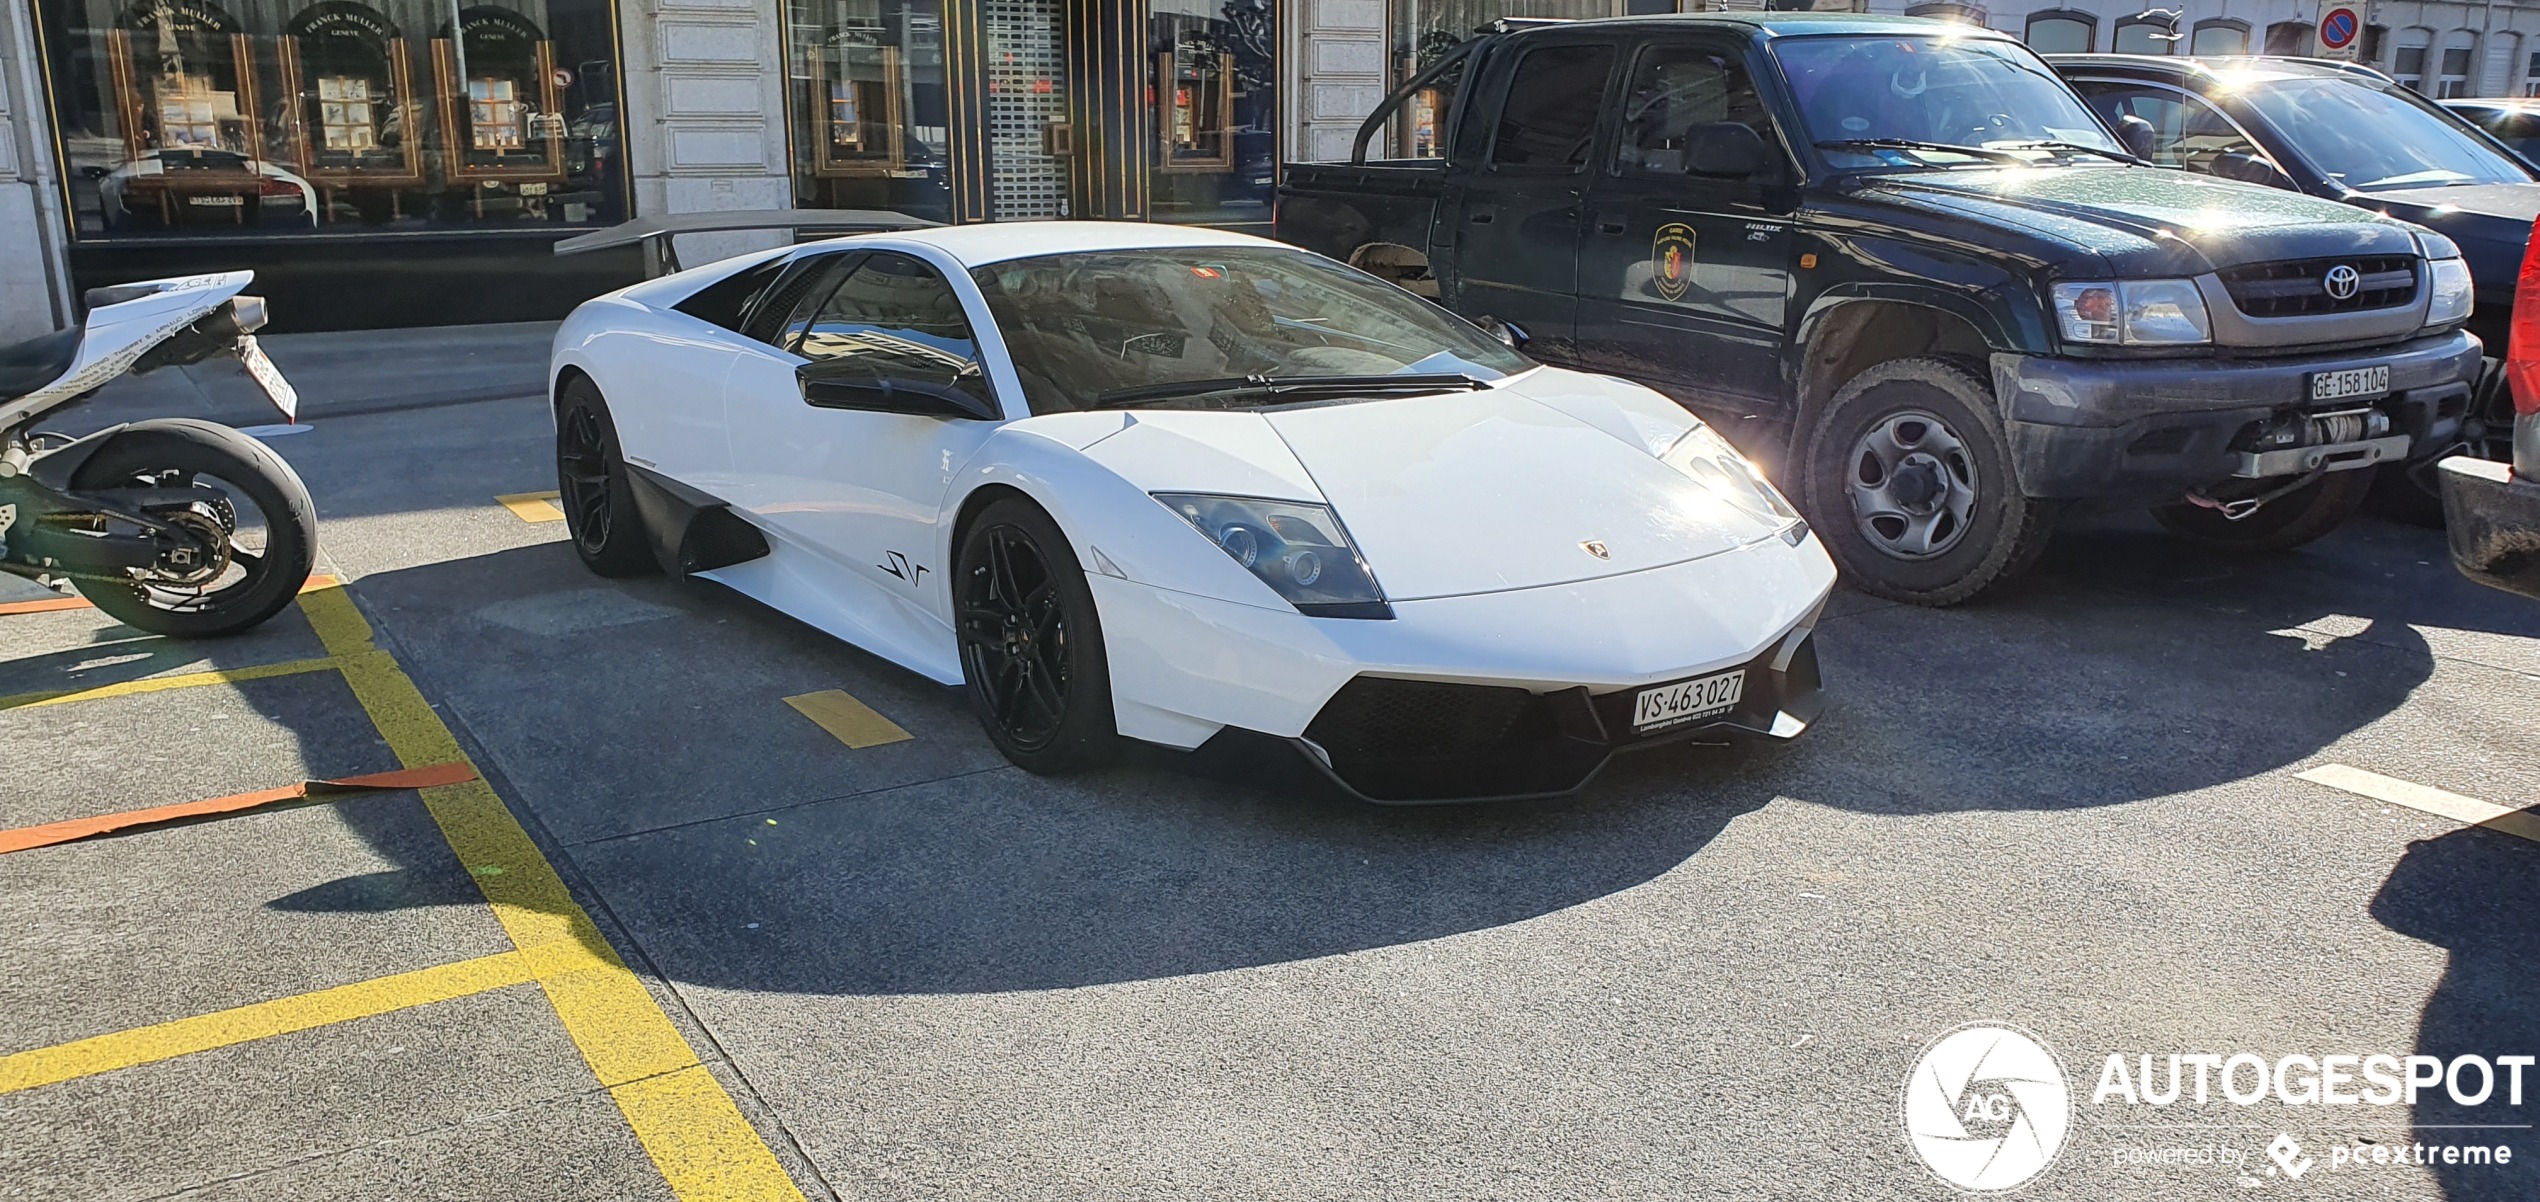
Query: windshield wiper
(1981, 152)
(1153, 394)
(2081, 148)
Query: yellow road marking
(161, 684)
(856, 724)
(263, 1020)
(696, 1137)
(532, 506)
(2466, 810)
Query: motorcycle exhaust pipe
(214, 333)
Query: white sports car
(1154, 481)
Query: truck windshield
(1103, 327)
(1937, 99)
(2370, 138)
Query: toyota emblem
(2343, 282)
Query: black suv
(1901, 259)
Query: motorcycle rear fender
(54, 468)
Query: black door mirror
(1509, 333)
(1725, 150)
(848, 384)
(2248, 169)
(2140, 138)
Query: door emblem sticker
(1671, 260)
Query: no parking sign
(2341, 33)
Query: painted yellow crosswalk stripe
(161, 684)
(2469, 811)
(854, 723)
(705, 1149)
(532, 506)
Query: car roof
(1771, 24)
(2244, 66)
(997, 241)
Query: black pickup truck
(1901, 262)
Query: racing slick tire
(2281, 524)
(592, 486)
(1031, 643)
(173, 453)
(1908, 479)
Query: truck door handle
(1611, 227)
(1481, 218)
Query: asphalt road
(920, 973)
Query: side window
(1549, 120)
(895, 316)
(2186, 131)
(1674, 89)
(776, 316)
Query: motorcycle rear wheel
(271, 528)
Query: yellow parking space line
(262, 1020)
(161, 684)
(2468, 811)
(856, 724)
(532, 506)
(697, 1138)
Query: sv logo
(901, 567)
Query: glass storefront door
(1032, 143)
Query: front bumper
(2153, 428)
(2491, 515)
(1537, 670)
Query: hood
(1461, 493)
(2150, 221)
(2491, 222)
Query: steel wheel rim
(1912, 484)
(1014, 638)
(582, 475)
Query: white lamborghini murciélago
(1150, 481)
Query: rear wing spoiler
(654, 234)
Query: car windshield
(2370, 138)
(1934, 100)
(1105, 327)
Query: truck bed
(1336, 208)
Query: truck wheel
(1909, 482)
(2281, 524)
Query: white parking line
(2466, 810)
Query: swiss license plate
(2352, 382)
(268, 377)
(1687, 700)
(215, 202)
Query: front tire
(266, 550)
(1908, 479)
(1031, 643)
(592, 486)
(2282, 524)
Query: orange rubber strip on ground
(46, 605)
(85, 828)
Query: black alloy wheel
(1031, 647)
(592, 486)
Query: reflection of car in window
(203, 190)
(2515, 123)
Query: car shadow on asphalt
(2476, 893)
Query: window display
(867, 103)
(1216, 145)
(207, 117)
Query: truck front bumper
(2491, 514)
(2154, 428)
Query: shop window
(866, 98)
(2145, 35)
(1211, 73)
(2062, 32)
(2292, 37)
(2219, 38)
(2407, 59)
(186, 117)
(2459, 47)
(2531, 75)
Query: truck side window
(2186, 131)
(1674, 89)
(1549, 121)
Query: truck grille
(2299, 287)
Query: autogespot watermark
(1987, 1108)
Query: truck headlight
(1299, 550)
(2449, 288)
(2133, 313)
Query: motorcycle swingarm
(41, 538)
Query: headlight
(2133, 313)
(1297, 549)
(1702, 454)
(2449, 284)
